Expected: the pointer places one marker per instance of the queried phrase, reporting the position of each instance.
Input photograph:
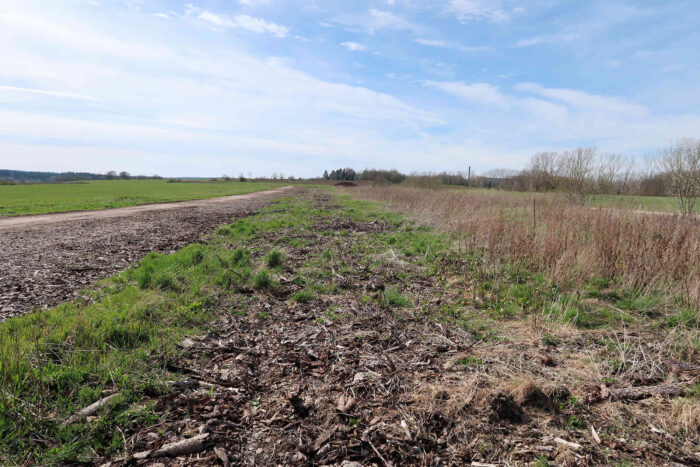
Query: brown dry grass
(571, 244)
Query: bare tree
(542, 171)
(576, 168)
(612, 168)
(682, 165)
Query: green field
(19, 200)
(641, 203)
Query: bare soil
(47, 259)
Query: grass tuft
(262, 280)
(274, 259)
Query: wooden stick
(89, 410)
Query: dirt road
(46, 259)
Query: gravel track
(46, 259)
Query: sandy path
(46, 259)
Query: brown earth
(47, 259)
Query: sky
(213, 87)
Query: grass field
(19, 200)
(642, 203)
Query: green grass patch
(393, 298)
(303, 296)
(19, 200)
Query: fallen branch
(568, 444)
(642, 392)
(684, 368)
(89, 410)
(183, 447)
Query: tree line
(22, 176)
(579, 173)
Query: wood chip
(345, 403)
(221, 454)
(595, 435)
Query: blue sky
(207, 87)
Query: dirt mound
(346, 184)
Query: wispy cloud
(584, 101)
(43, 92)
(479, 10)
(557, 38)
(249, 23)
(354, 46)
(480, 93)
(254, 2)
(375, 20)
(449, 45)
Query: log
(642, 392)
(89, 410)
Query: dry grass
(571, 244)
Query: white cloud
(448, 45)
(71, 33)
(377, 20)
(468, 10)
(558, 38)
(254, 2)
(65, 95)
(584, 101)
(354, 46)
(480, 93)
(249, 23)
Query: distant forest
(56, 177)
(21, 175)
